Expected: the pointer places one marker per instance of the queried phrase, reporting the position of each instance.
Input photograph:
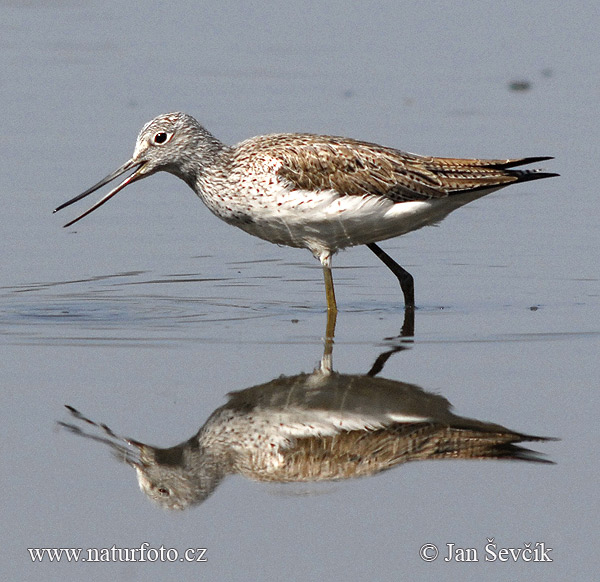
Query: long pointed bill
(131, 164)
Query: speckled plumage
(323, 193)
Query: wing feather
(356, 168)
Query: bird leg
(404, 277)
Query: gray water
(147, 313)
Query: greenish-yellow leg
(331, 304)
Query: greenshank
(319, 192)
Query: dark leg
(404, 277)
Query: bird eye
(161, 137)
(163, 491)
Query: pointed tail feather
(459, 175)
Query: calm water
(146, 314)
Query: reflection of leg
(331, 305)
(406, 337)
(404, 277)
(379, 363)
(327, 359)
(408, 326)
(329, 292)
(330, 329)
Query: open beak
(136, 175)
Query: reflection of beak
(127, 456)
(124, 168)
(137, 462)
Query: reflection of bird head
(177, 477)
(174, 478)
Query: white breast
(325, 222)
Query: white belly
(324, 222)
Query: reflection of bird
(313, 427)
(322, 193)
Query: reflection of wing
(334, 426)
(362, 453)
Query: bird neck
(206, 154)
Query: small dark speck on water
(295, 320)
(519, 85)
(534, 308)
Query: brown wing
(351, 167)
(362, 453)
